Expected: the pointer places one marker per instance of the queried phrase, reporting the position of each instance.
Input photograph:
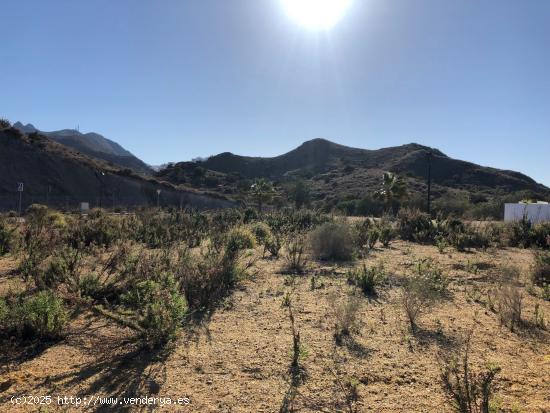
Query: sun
(316, 14)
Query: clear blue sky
(171, 80)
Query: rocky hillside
(320, 156)
(94, 145)
(335, 172)
(59, 176)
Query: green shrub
(428, 270)
(386, 232)
(209, 274)
(90, 286)
(163, 229)
(3, 312)
(45, 314)
(520, 233)
(422, 290)
(416, 226)
(98, 228)
(263, 234)
(367, 278)
(42, 315)
(295, 254)
(6, 236)
(464, 237)
(373, 235)
(524, 234)
(64, 268)
(239, 239)
(360, 233)
(541, 235)
(468, 391)
(541, 269)
(332, 241)
(160, 309)
(39, 238)
(250, 215)
(37, 214)
(294, 221)
(494, 232)
(441, 243)
(347, 207)
(274, 245)
(369, 206)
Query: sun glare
(316, 14)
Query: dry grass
(236, 357)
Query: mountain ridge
(92, 144)
(59, 176)
(337, 173)
(320, 151)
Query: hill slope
(336, 172)
(94, 145)
(59, 176)
(319, 156)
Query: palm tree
(393, 190)
(262, 191)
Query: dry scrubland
(287, 312)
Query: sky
(175, 79)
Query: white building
(535, 213)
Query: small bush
(332, 241)
(541, 269)
(510, 304)
(64, 268)
(520, 233)
(541, 235)
(273, 245)
(263, 234)
(250, 215)
(3, 312)
(507, 297)
(387, 233)
(6, 237)
(468, 391)
(345, 314)
(239, 239)
(98, 228)
(428, 270)
(210, 274)
(45, 314)
(422, 290)
(373, 235)
(42, 316)
(441, 243)
(367, 278)
(463, 237)
(295, 254)
(413, 225)
(364, 234)
(160, 309)
(90, 286)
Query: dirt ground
(237, 358)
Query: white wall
(535, 212)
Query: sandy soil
(237, 358)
